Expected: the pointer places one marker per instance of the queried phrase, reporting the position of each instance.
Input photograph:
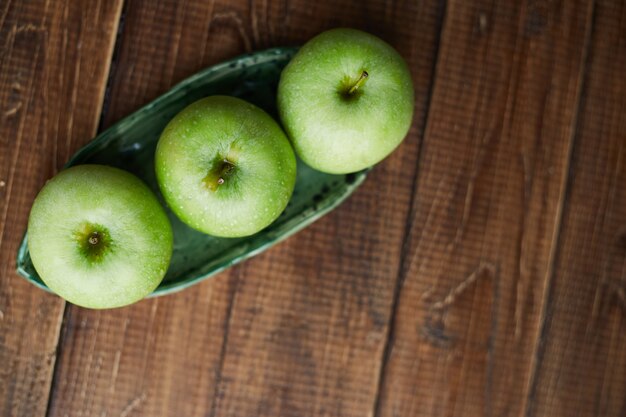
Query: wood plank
(298, 330)
(160, 356)
(581, 362)
(53, 67)
(487, 207)
(310, 319)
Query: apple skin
(334, 131)
(133, 234)
(225, 135)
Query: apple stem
(93, 240)
(218, 175)
(358, 83)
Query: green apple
(225, 167)
(345, 100)
(98, 237)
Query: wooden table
(480, 271)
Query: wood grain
(487, 206)
(491, 281)
(298, 330)
(581, 361)
(53, 68)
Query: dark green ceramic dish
(130, 145)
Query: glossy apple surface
(345, 100)
(98, 237)
(225, 167)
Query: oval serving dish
(130, 143)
